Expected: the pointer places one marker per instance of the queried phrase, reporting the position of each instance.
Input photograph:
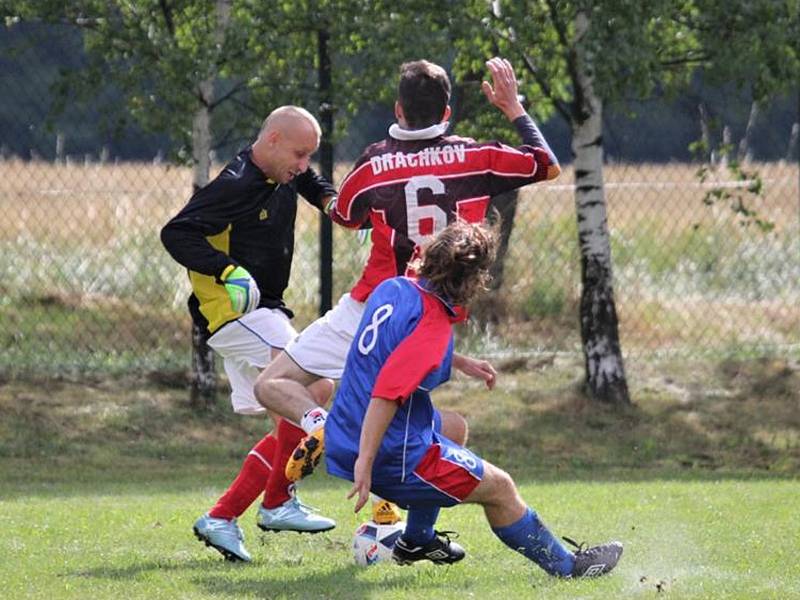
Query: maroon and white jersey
(412, 188)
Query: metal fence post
(326, 166)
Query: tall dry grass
(49, 201)
(687, 274)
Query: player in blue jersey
(384, 434)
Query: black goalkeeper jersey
(239, 218)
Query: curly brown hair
(456, 262)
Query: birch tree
(575, 57)
(578, 56)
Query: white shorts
(322, 347)
(246, 346)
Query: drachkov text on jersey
(435, 155)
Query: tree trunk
(506, 207)
(794, 136)
(605, 372)
(726, 147)
(491, 308)
(745, 154)
(204, 375)
(203, 393)
(324, 79)
(705, 134)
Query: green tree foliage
(159, 53)
(636, 48)
(753, 43)
(632, 47)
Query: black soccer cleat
(595, 561)
(440, 550)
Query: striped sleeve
(511, 168)
(352, 207)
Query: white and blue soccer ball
(373, 543)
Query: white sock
(314, 419)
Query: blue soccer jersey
(403, 348)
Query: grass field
(101, 481)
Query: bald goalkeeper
(235, 237)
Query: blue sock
(531, 538)
(419, 525)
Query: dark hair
(456, 262)
(423, 92)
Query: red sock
(277, 489)
(249, 483)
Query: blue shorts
(445, 476)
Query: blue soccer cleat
(293, 515)
(224, 536)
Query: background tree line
(661, 128)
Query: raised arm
(503, 93)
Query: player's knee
(322, 390)
(465, 431)
(455, 427)
(266, 379)
(260, 389)
(508, 486)
(503, 487)
(495, 489)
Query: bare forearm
(478, 369)
(379, 414)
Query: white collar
(428, 133)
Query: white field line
(670, 184)
(157, 190)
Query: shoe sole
(410, 561)
(229, 556)
(310, 531)
(304, 460)
(405, 563)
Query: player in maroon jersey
(409, 186)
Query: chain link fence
(702, 263)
